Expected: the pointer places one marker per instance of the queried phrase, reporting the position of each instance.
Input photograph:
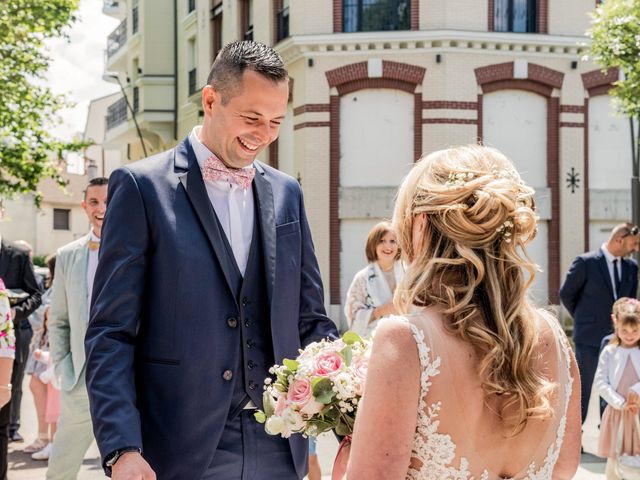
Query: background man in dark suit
(17, 273)
(207, 276)
(594, 281)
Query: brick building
(376, 83)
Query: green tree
(28, 108)
(615, 34)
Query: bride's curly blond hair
(470, 260)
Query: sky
(78, 63)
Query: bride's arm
(387, 415)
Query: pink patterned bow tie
(215, 170)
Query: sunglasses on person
(632, 231)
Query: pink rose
(360, 374)
(301, 394)
(328, 364)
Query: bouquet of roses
(318, 391)
(7, 337)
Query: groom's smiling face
(242, 122)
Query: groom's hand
(131, 466)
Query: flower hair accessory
(457, 179)
(505, 174)
(506, 231)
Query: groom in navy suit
(594, 281)
(207, 277)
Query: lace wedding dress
(457, 436)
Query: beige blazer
(69, 312)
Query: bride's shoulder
(396, 334)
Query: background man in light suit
(594, 281)
(71, 295)
(207, 277)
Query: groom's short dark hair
(236, 57)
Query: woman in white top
(472, 382)
(370, 296)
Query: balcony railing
(283, 24)
(117, 38)
(134, 20)
(193, 88)
(116, 113)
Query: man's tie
(616, 277)
(94, 245)
(215, 170)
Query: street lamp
(126, 99)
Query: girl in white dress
(472, 381)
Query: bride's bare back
(425, 416)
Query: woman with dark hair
(370, 295)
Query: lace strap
(430, 368)
(554, 449)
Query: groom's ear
(209, 98)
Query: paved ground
(21, 467)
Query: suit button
(232, 322)
(251, 365)
(252, 385)
(250, 343)
(245, 301)
(227, 375)
(247, 323)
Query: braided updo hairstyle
(470, 260)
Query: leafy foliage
(615, 34)
(28, 108)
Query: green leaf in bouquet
(292, 365)
(260, 416)
(351, 337)
(347, 355)
(343, 430)
(321, 425)
(268, 403)
(323, 390)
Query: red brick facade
(347, 79)
(542, 81)
(595, 83)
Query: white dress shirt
(233, 205)
(92, 265)
(610, 258)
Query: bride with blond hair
(471, 381)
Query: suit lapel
(79, 276)
(604, 269)
(266, 210)
(193, 184)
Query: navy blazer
(158, 342)
(587, 293)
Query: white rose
(274, 425)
